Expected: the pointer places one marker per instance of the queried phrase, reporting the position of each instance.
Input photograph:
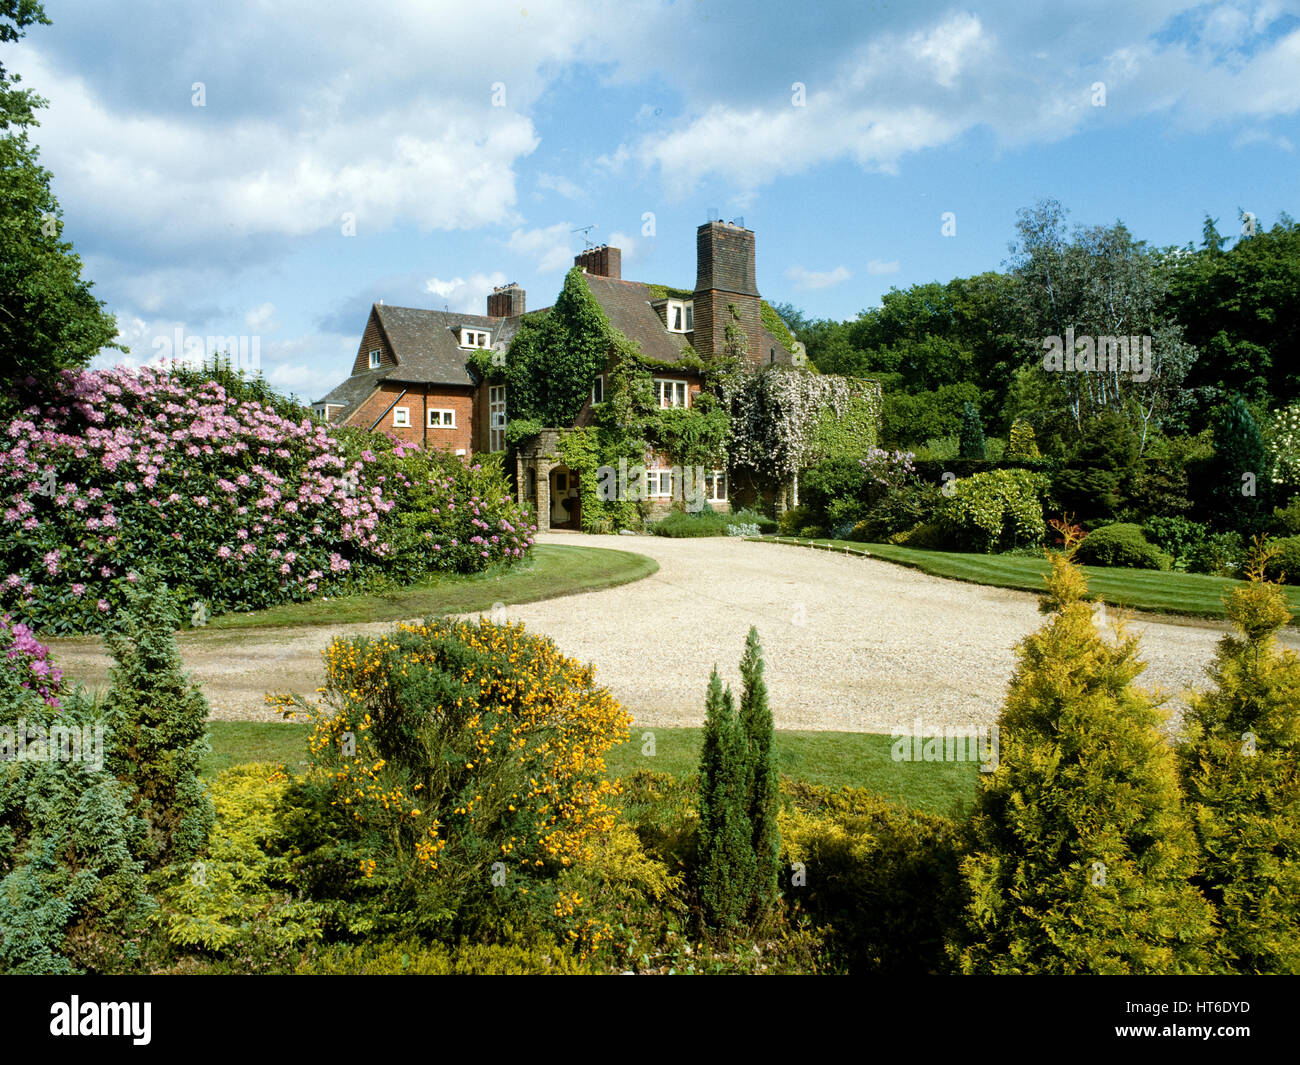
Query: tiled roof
(627, 305)
(427, 343)
(355, 389)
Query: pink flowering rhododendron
(238, 498)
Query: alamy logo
(1130, 355)
(634, 483)
(59, 743)
(102, 1018)
(947, 745)
(240, 352)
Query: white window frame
(684, 391)
(680, 316)
(441, 418)
(401, 417)
(598, 386)
(659, 483)
(497, 419)
(715, 486)
(376, 358)
(475, 338)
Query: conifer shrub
(881, 878)
(763, 781)
(726, 856)
(1121, 544)
(1022, 443)
(72, 892)
(739, 841)
(1236, 481)
(240, 887)
(158, 719)
(1081, 854)
(972, 433)
(1241, 770)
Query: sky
(268, 171)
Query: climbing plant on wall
(784, 420)
(554, 357)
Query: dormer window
(681, 316)
(475, 338)
(376, 357)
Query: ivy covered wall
(771, 424)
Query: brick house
(412, 377)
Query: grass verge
(1188, 594)
(834, 759)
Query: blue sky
(467, 141)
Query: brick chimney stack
(506, 301)
(603, 261)
(725, 278)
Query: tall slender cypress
(763, 784)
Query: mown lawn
(551, 570)
(834, 759)
(1190, 594)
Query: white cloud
(560, 184)
(468, 295)
(260, 317)
(1026, 79)
(804, 278)
(195, 177)
(550, 247)
(879, 266)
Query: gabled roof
(426, 343)
(627, 306)
(427, 347)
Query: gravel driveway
(851, 644)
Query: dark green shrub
(972, 433)
(1219, 554)
(1284, 562)
(812, 532)
(159, 721)
(726, 847)
(1177, 537)
(1237, 479)
(883, 878)
(1121, 545)
(1099, 476)
(833, 490)
(1286, 519)
(680, 523)
(791, 521)
(739, 842)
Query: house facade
(413, 377)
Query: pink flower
(78, 590)
(103, 606)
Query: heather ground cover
(235, 497)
